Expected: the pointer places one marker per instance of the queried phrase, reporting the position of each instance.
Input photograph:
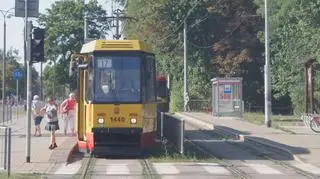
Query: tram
(117, 103)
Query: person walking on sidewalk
(68, 107)
(51, 111)
(37, 105)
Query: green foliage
(219, 42)
(12, 62)
(295, 37)
(64, 24)
(225, 39)
(176, 97)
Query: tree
(12, 63)
(64, 24)
(221, 43)
(294, 29)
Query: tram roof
(115, 45)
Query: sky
(15, 25)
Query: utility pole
(185, 66)
(17, 91)
(54, 82)
(6, 14)
(28, 27)
(41, 86)
(85, 28)
(25, 63)
(267, 90)
(4, 69)
(29, 72)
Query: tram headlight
(133, 120)
(100, 120)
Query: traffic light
(37, 45)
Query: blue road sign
(17, 74)
(227, 89)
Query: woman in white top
(51, 112)
(37, 105)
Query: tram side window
(89, 84)
(150, 79)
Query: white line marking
(69, 169)
(207, 164)
(263, 169)
(309, 168)
(165, 168)
(118, 169)
(214, 168)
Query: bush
(176, 97)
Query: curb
(71, 153)
(226, 132)
(195, 122)
(275, 148)
(241, 137)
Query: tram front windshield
(117, 79)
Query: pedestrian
(38, 114)
(51, 112)
(68, 107)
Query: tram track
(90, 163)
(87, 164)
(233, 169)
(256, 151)
(148, 171)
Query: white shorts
(69, 120)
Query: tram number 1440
(118, 119)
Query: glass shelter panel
(227, 97)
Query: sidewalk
(42, 159)
(303, 147)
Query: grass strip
(167, 153)
(4, 175)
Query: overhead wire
(202, 19)
(178, 27)
(225, 37)
(192, 26)
(201, 47)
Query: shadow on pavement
(45, 135)
(292, 149)
(231, 130)
(77, 156)
(224, 148)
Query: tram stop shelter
(227, 97)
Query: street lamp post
(5, 14)
(85, 27)
(267, 90)
(186, 99)
(185, 65)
